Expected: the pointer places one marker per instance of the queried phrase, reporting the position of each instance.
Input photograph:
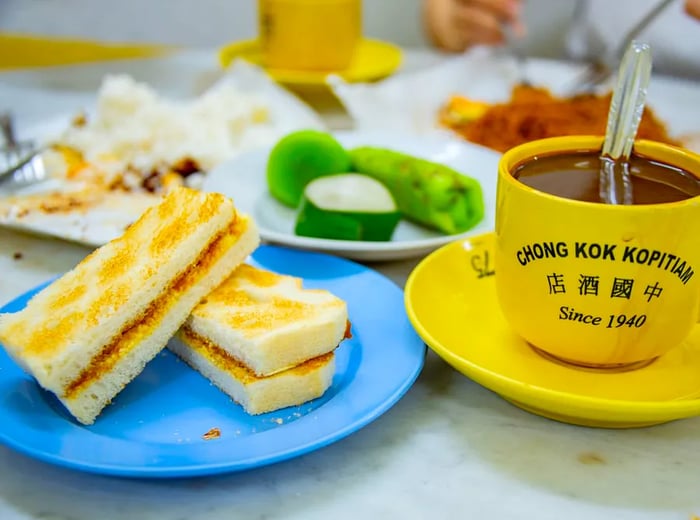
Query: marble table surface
(448, 449)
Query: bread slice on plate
(256, 394)
(268, 321)
(89, 333)
(264, 339)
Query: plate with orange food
(479, 97)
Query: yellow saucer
(451, 301)
(373, 60)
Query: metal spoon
(626, 108)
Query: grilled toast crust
(134, 333)
(90, 332)
(268, 321)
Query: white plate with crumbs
(112, 147)
(244, 180)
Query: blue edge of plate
(154, 427)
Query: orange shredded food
(535, 113)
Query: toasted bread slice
(291, 387)
(92, 331)
(269, 322)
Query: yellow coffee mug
(592, 284)
(309, 34)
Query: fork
(600, 70)
(22, 160)
(514, 48)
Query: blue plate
(155, 426)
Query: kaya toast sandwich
(265, 340)
(90, 332)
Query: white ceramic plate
(87, 217)
(94, 218)
(243, 179)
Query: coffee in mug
(575, 175)
(594, 284)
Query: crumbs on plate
(214, 433)
(591, 458)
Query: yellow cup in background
(309, 34)
(644, 259)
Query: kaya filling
(226, 362)
(134, 332)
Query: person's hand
(456, 25)
(692, 7)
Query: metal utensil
(22, 162)
(581, 42)
(516, 50)
(599, 71)
(626, 108)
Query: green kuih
(300, 157)
(428, 193)
(347, 206)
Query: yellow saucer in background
(373, 60)
(451, 301)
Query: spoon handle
(626, 108)
(627, 104)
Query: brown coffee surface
(575, 175)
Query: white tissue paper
(410, 101)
